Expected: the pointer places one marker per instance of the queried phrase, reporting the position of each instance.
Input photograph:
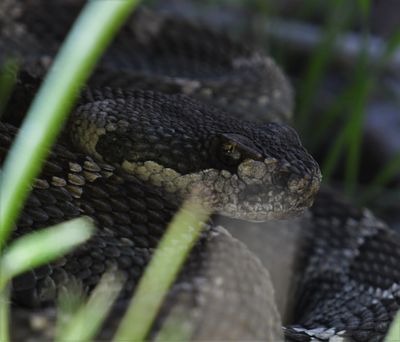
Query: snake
(176, 108)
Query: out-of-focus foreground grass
(90, 36)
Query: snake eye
(230, 154)
(231, 149)
(113, 148)
(109, 149)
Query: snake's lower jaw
(278, 206)
(252, 198)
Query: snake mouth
(274, 205)
(258, 191)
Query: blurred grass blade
(308, 9)
(89, 37)
(333, 156)
(40, 247)
(392, 46)
(8, 73)
(355, 128)
(84, 325)
(5, 314)
(365, 6)
(382, 179)
(328, 118)
(393, 166)
(388, 172)
(350, 135)
(394, 331)
(159, 275)
(340, 106)
(320, 60)
(173, 329)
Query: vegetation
(92, 32)
(89, 37)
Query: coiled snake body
(210, 117)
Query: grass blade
(8, 74)
(354, 133)
(351, 135)
(387, 173)
(365, 6)
(319, 61)
(84, 325)
(159, 275)
(333, 156)
(394, 331)
(40, 247)
(382, 179)
(4, 315)
(89, 37)
(174, 330)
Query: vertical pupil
(229, 148)
(232, 151)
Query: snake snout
(304, 188)
(297, 177)
(299, 184)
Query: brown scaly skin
(344, 286)
(131, 217)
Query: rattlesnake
(137, 153)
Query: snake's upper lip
(310, 190)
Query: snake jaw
(260, 190)
(251, 194)
(268, 191)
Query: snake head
(238, 168)
(260, 174)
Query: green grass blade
(384, 177)
(393, 44)
(354, 132)
(174, 330)
(40, 247)
(394, 331)
(332, 158)
(347, 96)
(4, 315)
(84, 325)
(362, 88)
(328, 119)
(388, 172)
(319, 61)
(167, 260)
(8, 74)
(89, 37)
(309, 8)
(365, 6)
(351, 136)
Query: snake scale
(174, 107)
